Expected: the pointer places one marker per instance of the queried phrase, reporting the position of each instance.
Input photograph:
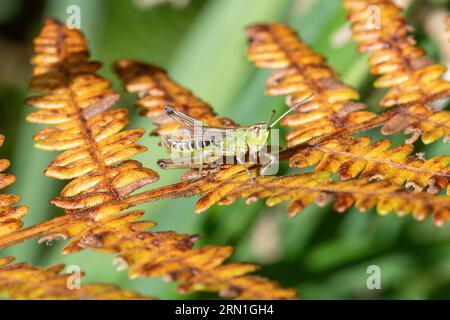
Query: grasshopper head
(257, 135)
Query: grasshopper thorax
(257, 135)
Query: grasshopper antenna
(270, 117)
(294, 106)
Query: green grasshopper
(195, 145)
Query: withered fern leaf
(358, 157)
(10, 214)
(333, 112)
(20, 281)
(302, 189)
(78, 103)
(299, 72)
(414, 80)
(156, 90)
(96, 155)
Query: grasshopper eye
(169, 109)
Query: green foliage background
(203, 44)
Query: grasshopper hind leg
(207, 162)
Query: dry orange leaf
(10, 214)
(358, 157)
(415, 81)
(20, 281)
(156, 90)
(300, 72)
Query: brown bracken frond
(414, 80)
(277, 46)
(166, 254)
(301, 71)
(358, 157)
(152, 254)
(156, 90)
(302, 189)
(21, 281)
(10, 215)
(77, 101)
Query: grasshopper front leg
(241, 161)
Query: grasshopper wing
(204, 133)
(182, 118)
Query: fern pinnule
(10, 215)
(414, 80)
(156, 90)
(21, 281)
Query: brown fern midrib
(167, 93)
(148, 196)
(93, 149)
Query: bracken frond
(358, 157)
(301, 71)
(167, 254)
(414, 80)
(10, 215)
(156, 90)
(302, 189)
(78, 101)
(21, 281)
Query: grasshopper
(195, 145)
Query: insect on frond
(196, 145)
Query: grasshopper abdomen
(173, 144)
